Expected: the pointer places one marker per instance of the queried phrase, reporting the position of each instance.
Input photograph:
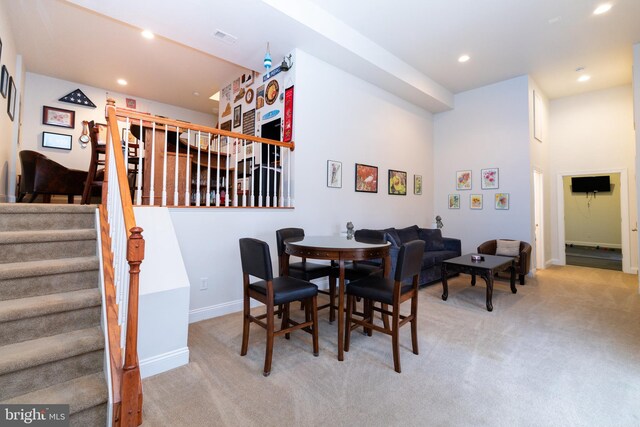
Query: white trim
(593, 244)
(624, 214)
(164, 362)
(216, 310)
(550, 263)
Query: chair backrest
(256, 259)
(28, 166)
(409, 260)
(369, 234)
(284, 234)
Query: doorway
(586, 225)
(538, 200)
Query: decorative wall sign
(248, 98)
(4, 82)
(237, 112)
(226, 125)
(271, 73)
(463, 180)
(239, 96)
(225, 93)
(366, 178)
(78, 97)
(502, 201)
(475, 201)
(131, 103)
(397, 183)
(249, 122)
(273, 88)
(227, 110)
(58, 117)
(260, 97)
(270, 114)
(56, 140)
(489, 178)
(454, 201)
(11, 105)
(334, 174)
(288, 115)
(236, 85)
(417, 184)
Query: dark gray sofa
(436, 250)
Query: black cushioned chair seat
(375, 288)
(308, 270)
(286, 289)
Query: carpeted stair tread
(47, 267)
(7, 237)
(23, 308)
(36, 352)
(80, 393)
(44, 208)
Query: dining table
(340, 249)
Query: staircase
(51, 339)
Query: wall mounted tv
(590, 184)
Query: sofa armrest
(451, 244)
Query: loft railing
(123, 252)
(182, 164)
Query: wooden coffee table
(486, 269)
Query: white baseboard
(633, 270)
(593, 245)
(204, 313)
(164, 362)
(549, 263)
(555, 261)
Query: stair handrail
(122, 244)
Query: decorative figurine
(439, 223)
(349, 230)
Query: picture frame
(56, 140)
(102, 133)
(11, 104)
(4, 81)
(475, 201)
(237, 113)
(334, 174)
(454, 201)
(489, 179)
(417, 184)
(463, 180)
(502, 201)
(397, 183)
(366, 178)
(53, 116)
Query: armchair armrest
(525, 257)
(451, 244)
(488, 247)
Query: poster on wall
(260, 97)
(249, 123)
(273, 88)
(288, 114)
(225, 94)
(237, 112)
(236, 85)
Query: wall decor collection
(502, 201)
(475, 201)
(4, 82)
(397, 182)
(334, 174)
(417, 184)
(463, 180)
(56, 140)
(11, 105)
(237, 111)
(58, 117)
(366, 178)
(454, 201)
(78, 97)
(489, 178)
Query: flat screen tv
(590, 184)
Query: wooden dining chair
(306, 270)
(272, 292)
(392, 292)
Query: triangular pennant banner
(79, 98)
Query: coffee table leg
(488, 277)
(473, 279)
(445, 287)
(513, 277)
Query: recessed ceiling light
(464, 58)
(122, 82)
(603, 8)
(196, 93)
(147, 34)
(583, 78)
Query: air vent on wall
(225, 37)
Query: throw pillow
(432, 238)
(508, 247)
(408, 234)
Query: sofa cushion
(440, 256)
(392, 235)
(408, 234)
(433, 239)
(508, 247)
(428, 260)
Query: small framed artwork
(4, 81)
(397, 183)
(237, 112)
(366, 178)
(102, 133)
(489, 178)
(463, 180)
(502, 201)
(334, 174)
(58, 117)
(454, 201)
(417, 184)
(56, 140)
(475, 201)
(11, 105)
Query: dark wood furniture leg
(445, 287)
(487, 275)
(341, 312)
(473, 278)
(513, 277)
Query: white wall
(594, 132)
(43, 90)
(365, 125)
(636, 109)
(489, 128)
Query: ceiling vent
(225, 37)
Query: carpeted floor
(563, 351)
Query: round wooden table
(339, 249)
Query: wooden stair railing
(122, 245)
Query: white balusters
(176, 202)
(164, 167)
(153, 164)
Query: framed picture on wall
(58, 117)
(489, 178)
(334, 174)
(454, 201)
(417, 184)
(237, 112)
(475, 201)
(463, 180)
(397, 182)
(11, 105)
(366, 178)
(56, 140)
(4, 81)
(502, 201)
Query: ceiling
(407, 47)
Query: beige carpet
(563, 351)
